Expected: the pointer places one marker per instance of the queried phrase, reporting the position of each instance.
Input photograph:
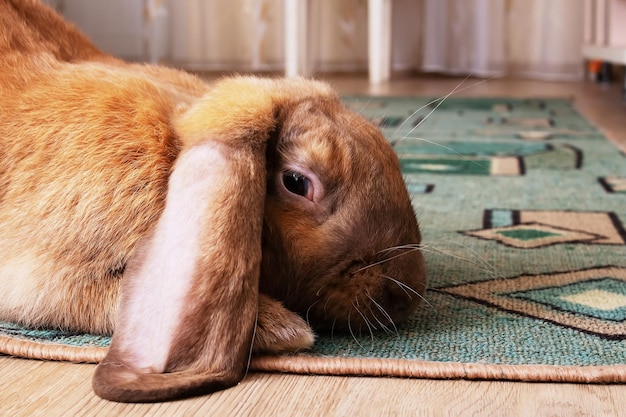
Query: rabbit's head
(340, 238)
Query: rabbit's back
(86, 152)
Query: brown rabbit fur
(142, 202)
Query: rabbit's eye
(297, 184)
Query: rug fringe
(48, 351)
(310, 365)
(303, 364)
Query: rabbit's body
(140, 201)
(81, 182)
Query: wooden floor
(29, 388)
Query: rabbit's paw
(280, 330)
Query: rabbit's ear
(189, 296)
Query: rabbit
(195, 222)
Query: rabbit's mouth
(368, 297)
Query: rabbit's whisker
(254, 329)
(489, 268)
(385, 315)
(375, 317)
(409, 247)
(352, 331)
(405, 287)
(457, 153)
(409, 250)
(477, 262)
(455, 90)
(369, 324)
(326, 305)
(440, 101)
(308, 310)
(332, 329)
(364, 106)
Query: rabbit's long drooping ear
(189, 296)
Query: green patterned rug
(522, 204)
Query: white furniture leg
(379, 40)
(296, 39)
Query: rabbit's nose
(401, 300)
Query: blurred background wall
(526, 38)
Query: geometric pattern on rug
(462, 165)
(591, 301)
(533, 235)
(613, 184)
(529, 229)
(484, 158)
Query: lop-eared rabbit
(195, 222)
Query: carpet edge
(303, 364)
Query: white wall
(120, 27)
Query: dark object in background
(605, 73)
